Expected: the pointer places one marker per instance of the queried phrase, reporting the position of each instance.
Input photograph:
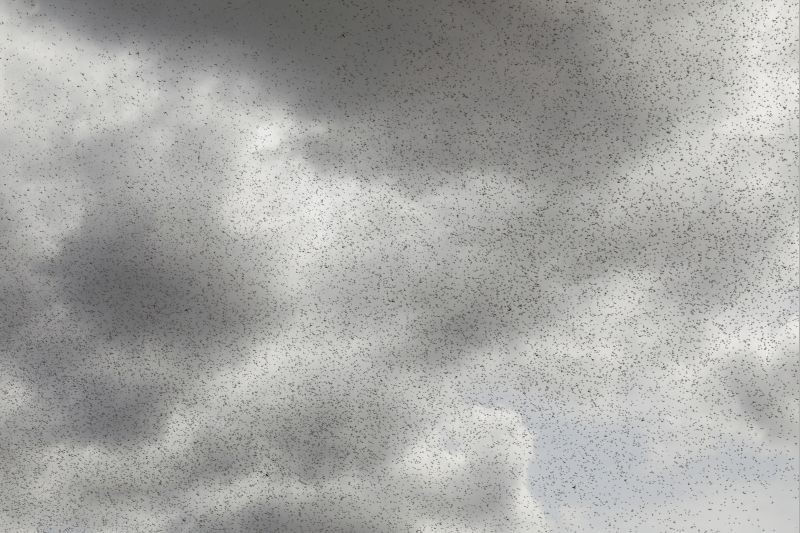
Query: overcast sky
(371, 266)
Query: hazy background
(399, 266)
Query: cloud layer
(382, 267)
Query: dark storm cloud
(119, 274)
(423, 91)
(149, 262)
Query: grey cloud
(561, 175)
(424, 91)
(766, 395)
